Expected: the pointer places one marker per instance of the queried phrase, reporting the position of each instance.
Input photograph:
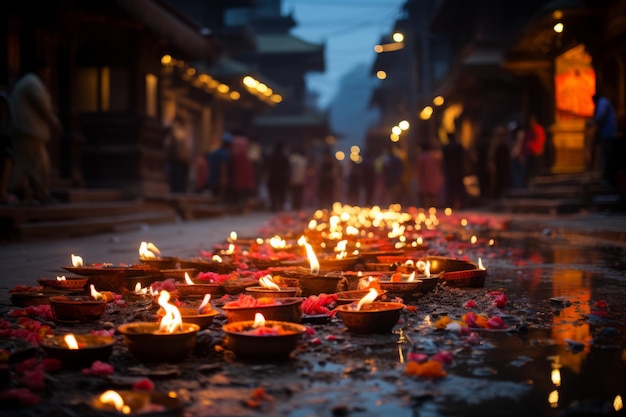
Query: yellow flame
(368, 298)
(217, 258)
(259, 320)
(480, 264)
(188, 280)
(95, 294)
(341, 246)
(427, 269)
(473, 239)
(172, 319)
(139, 290)
(301, 241)
(61, 278)
(409, 263)
(618, 403)
(148, 251)
(412, 276)
(114, 398)
(313, 262)
(71, 341)
(205, 301)
(268, 282)
(277, 242)
(555, 376)
(77, 260)
(233, 235)
(553, 399)
(419, 240)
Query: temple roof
(284, 43)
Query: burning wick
(205, 302)
(62, 278)
(367, 299)
(267, 282)
(233, 235)
(216, 258)
(480, 264)
(148, 250)
(139, 290)
(95, 294)
(313, 262)
(71, 341)
(172, 320)
(188, 280)
(114, 398)
(77, 260)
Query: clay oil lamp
(171, 340)
(64, 283)
(192, 289)
(348, 297)
(80, 350)
(277, 309)
(143, 403)
(262, 340)
(458, 272)
(369, 316)
(78, 308)
(150, 255)
(268, 288)
(409, 283)
(202, 315)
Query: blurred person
(243, 181)
(255, 154)
(534, 144)
(298, 168)
(328, 175)
(34, 121)
(454, 171)
(605, 137)
(178, 145)
(429, 173)
(6, 148)
(278, 174)
(220, 169)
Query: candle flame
(233, 235)
(618, 403)
(313, 262)
(268, 282)
(412, 276)
(172, 320)
(71, 341)
(301, 241)
(231, 249)
(473, 239)
(427, 269)
(368, 298)
(61, 278)
(114, 398)
(139, 290)
(188, 280)
(480, 264)
(148, 250)
(217, 258)
(94, 293)
(77, 260)
(204, 303)
(555, 376)
(409, 263)
(259, 320)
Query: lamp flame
(480, 264)
(188, 280)
(313, 262)
(204, 303)
(148, 250)
(233, 235)
(71, 341)
(114, 398)
(368, 298)
(77, 260)
(259, 320)
(268, 282)
(427, 269)
(61, 278)
(172, 320)
(94, 293)
(139, 290)
(216, 258)
(412, 276)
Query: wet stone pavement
(560, 352)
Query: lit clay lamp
(150, 255)
(411, 283)
(368, 316)
(168, 341)
(79, 308)
(311, 280)
(260, 340)
(458, 272)
(202, 315)
(268, 288)
(64, 283)
(80, 350)
(192, 289)
(144, 403)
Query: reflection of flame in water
(188, 280)
(204, 303)
(553, 399)
(172, 319)
(268, 282)
(95, 294)
(368, 298)
(61, 278)
(618, 403)
(77, 260)
(114, 398)
(555, 377)
(71, 341)
(259, 320)
(148, 250)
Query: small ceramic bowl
(77, 308)
(146, 343)
(376, 317)
(91, 348)
(286, 309)
(262, 348)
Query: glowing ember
(188, 280)
(95, 294)
(172, 320)
(77, 260)
(216, 258)
(62, 278)
(148, 250)
(114, 398)
(71, 341)
(368, 298)
(259, 320)
(268, 282)
(205, 302)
